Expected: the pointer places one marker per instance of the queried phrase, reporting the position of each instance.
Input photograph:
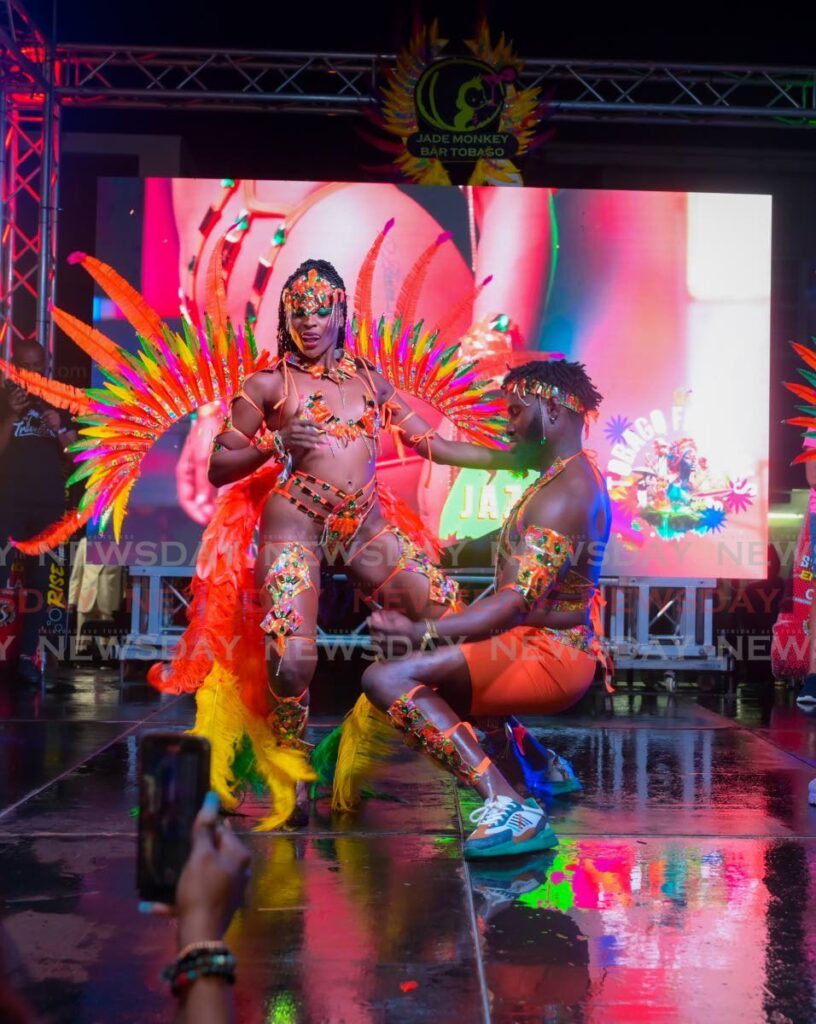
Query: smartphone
(174, 777)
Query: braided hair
(569, 378)
(286, 343)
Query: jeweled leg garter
(422, 734)
(287, 577)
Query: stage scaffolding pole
(47, 221)
(6, 233)
(30, 166)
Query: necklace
(345, 369)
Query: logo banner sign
(462, 120)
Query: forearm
(464, 454)
(208, 1001)
(485, 618)
(417, 434)
(229, 465)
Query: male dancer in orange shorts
(533, 646)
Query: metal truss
(649, 93)
(29, 171)
(220, 79)
(654, 625)
(28, 185)
(347, 83)
(664, 625)
(23, 48)
(209, 79)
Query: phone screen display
(174, 778)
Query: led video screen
(664, 296)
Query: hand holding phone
(174, 778)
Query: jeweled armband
(545, 555)
(270, 441)
(226, 426)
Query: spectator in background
(33, 438)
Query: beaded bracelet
(197, 947)
(205, 960)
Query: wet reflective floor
(683, 888)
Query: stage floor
(684, 887)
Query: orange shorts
(526, 671)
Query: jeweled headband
(524, 386)
(311, 293)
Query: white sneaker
(505, 827)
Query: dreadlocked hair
(286, 343)
(569, 378)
